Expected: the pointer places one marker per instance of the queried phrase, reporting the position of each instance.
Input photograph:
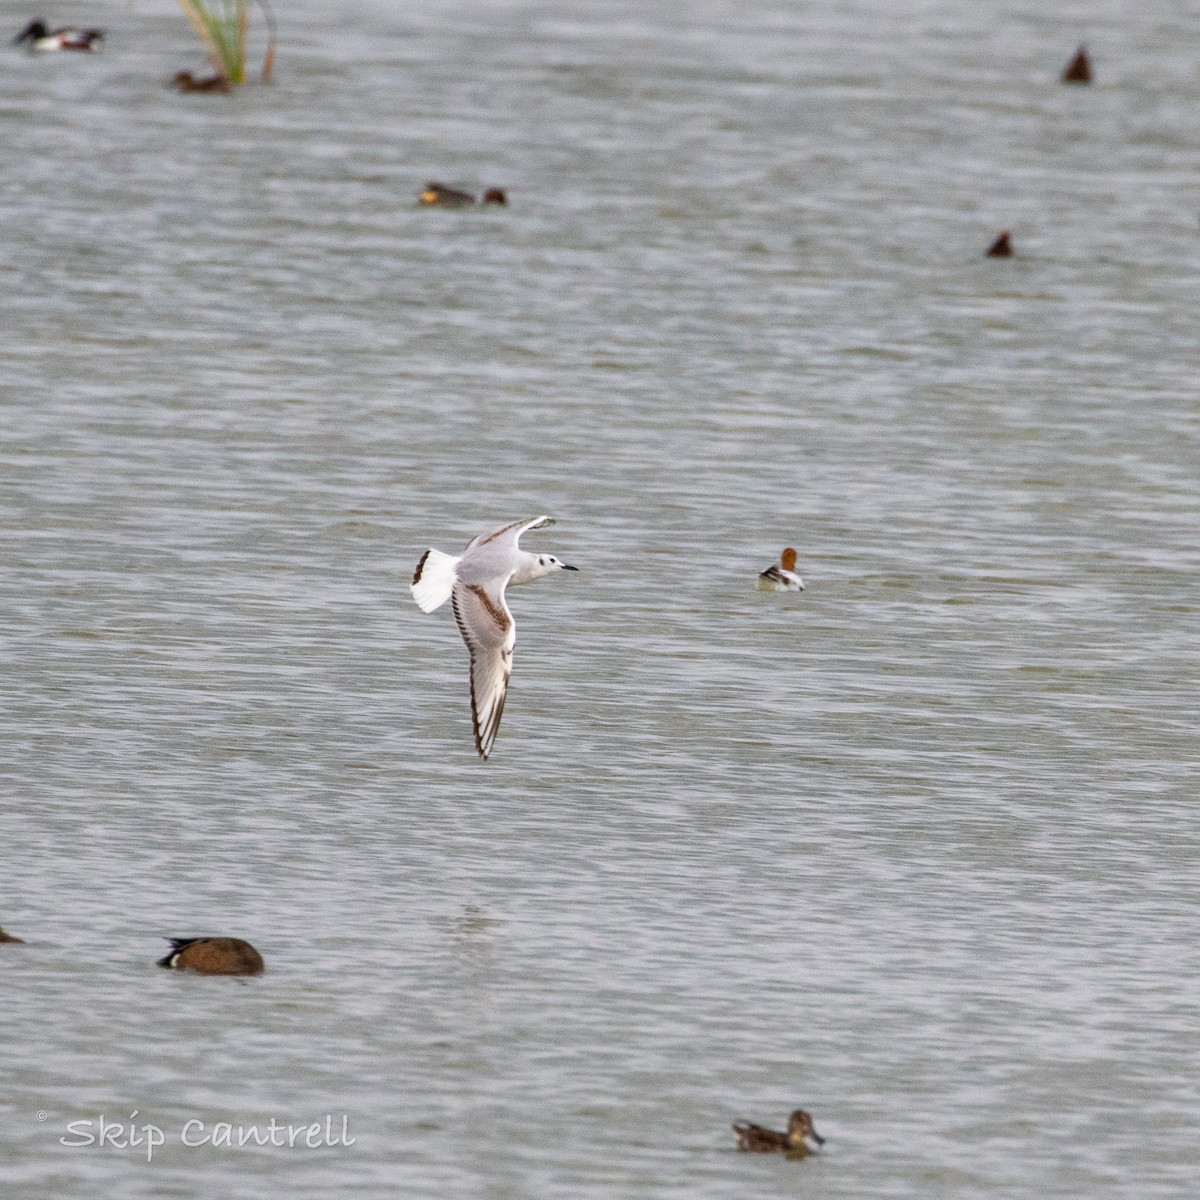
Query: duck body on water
(800, 1139)
(1079, 69)
(441, 196)
(213, 956)
(1002, 246)
(185, 81)
(43, 40)
(782, 576)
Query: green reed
(223, 26)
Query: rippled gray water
(915, 849)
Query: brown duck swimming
(1079, 69)
(757, 1140)
(448, 197)
(1002, 246)
(185, 81)
(213, 956)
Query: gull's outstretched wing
(509, 533)
(488, 629)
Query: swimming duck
(40, 38)
(1079, 69)
(8, 937)
(448, 197)
(1002, 246)
(213, 956)
(782, 577)
(185, 81)
(757, 1140)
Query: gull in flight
(474, 583)
(781, 577)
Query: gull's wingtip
(485, 730)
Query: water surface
(915, 849)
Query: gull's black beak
(566, 568)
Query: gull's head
(547, 563)
(787, 560)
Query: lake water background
(916, 849)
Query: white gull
(474, 582)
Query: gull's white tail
(434, 579)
